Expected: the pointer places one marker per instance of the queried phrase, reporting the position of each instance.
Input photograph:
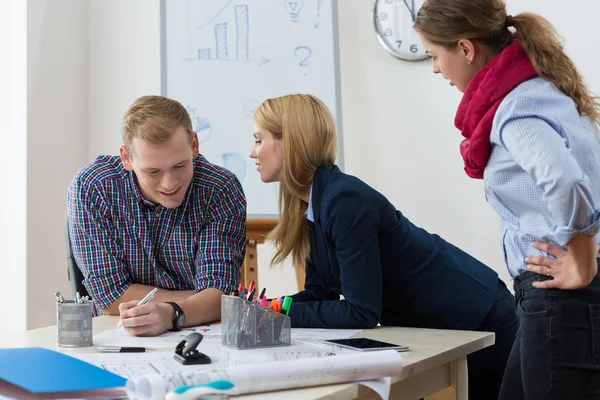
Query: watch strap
(178, 313)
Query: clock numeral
(382, 16)
(399, 43)
(388, 32)
(414, 48)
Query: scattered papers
(322, 334)
(119, 337)
(211, 333)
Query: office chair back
(73, 272)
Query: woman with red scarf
(531, 132)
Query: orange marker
(275, 305)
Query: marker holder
(247, 325)
(74, 324)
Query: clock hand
(411, 10)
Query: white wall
(56, 137)
(397, 116)
(124, 64)
(13, 166)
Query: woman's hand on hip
(570, 269)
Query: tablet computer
(364, 344)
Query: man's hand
(571, 269)
(150, 319)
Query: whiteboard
(222, 58)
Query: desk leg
(460, 376)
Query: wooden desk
(437, 360)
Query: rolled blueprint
(282, 375)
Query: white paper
(381, 386)
(111, 337)
(282, 375)
(275, 354)
(211, 333)
(207, 330)
(322, 334)
(134, 365)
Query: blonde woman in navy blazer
(353, 242)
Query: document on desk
(119, 337)
(305, 334)
(211, 333)
(135, 365)
(280, 375)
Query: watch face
(179, 321)
(394, 20)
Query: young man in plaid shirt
(159, 215)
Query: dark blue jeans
(486, 367)
(557, 351)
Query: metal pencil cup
(74, 324)
(247, 325)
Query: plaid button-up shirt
(119, 238)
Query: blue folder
(41, 370)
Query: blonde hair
(445, 22)
(307, 129)
(154, 119)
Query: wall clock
(393, 21)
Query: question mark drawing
(305, 52)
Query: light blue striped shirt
(543, 175)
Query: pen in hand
(145, 300)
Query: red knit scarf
(482, 97)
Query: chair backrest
(73, 272)
(256, 233)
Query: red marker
(250, 286)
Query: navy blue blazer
(388, 270)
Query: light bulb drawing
(293, 7)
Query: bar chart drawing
(203, 54)
(242, 28)
(221, 40)
(222, 30)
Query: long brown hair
(307, 129)
(445, 22)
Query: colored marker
(287, 303)
(275, 305)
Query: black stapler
(186, 352)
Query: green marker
(287, 303)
